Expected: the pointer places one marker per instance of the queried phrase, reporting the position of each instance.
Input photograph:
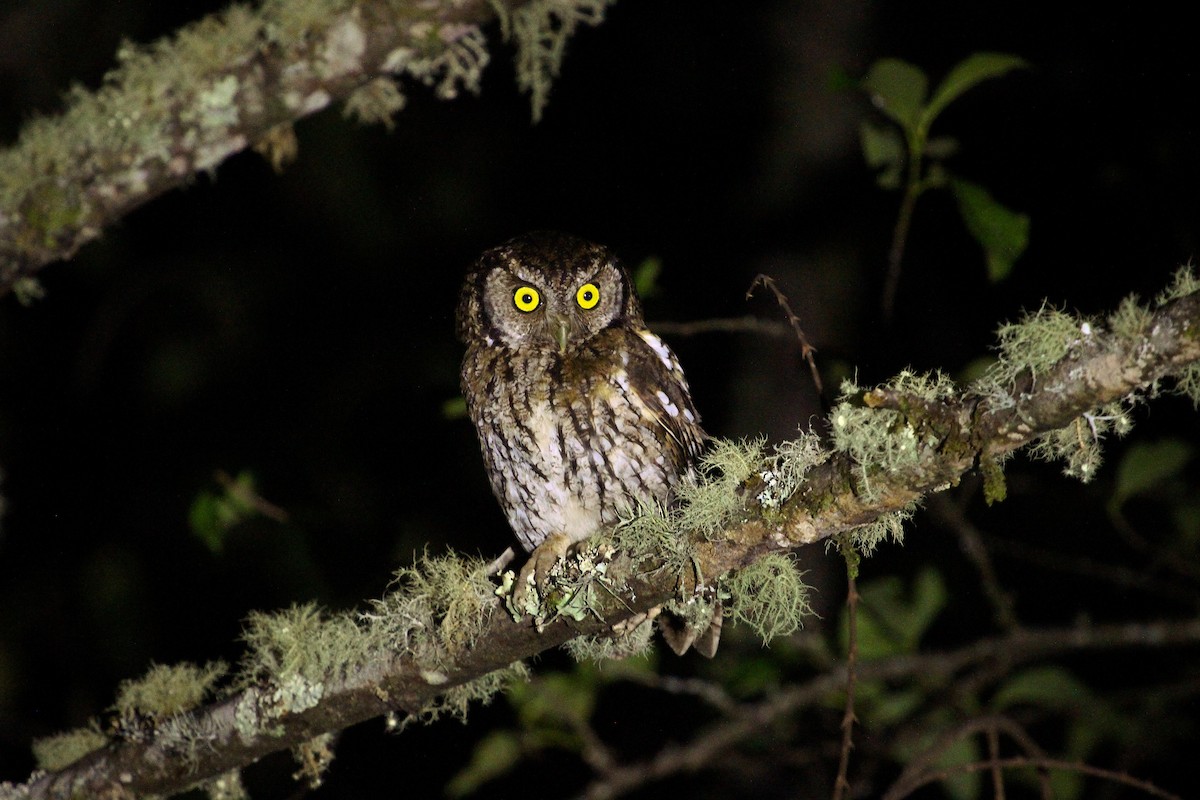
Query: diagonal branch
(226, 83)
(470, 636)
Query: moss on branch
(239, 79)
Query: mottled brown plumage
(582, 413)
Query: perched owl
(582, 413)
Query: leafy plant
(907, 157)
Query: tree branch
(225, 83)
(404, 656)
(1015, 648)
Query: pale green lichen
(455, 65)
(711, 503)
(313, 757)
(1187, 383)
(793, 459)
(1031, 348)
(707, 504)
(63, 749)
(1183, 283)
(215, 104)
(1078, 444)
(287, 21)
(438, 608)
(541, 30)
(887, 526)
(654, 534)
(187, 736)
(300, 647)
(1131, 319)
(456, 701)
(376, 101)
(634, 641)
(28, 290)
(227, 786)
(770, 596)
(1036, 343)
(168, 690)
(345, 45)
(884, 440)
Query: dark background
(301, 326)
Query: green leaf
(455, 408)
(204, 520)
(1148, 464)
(645, 277)
(1046, 687)
(494, 755)
(212, 516)
(917, 739)
(750, 677)
(894, 707)
(1187, 522)
(1003, 234)
(884, 150)
(898, 89)
(558, 700)
(891, 618)
(962, 785)
(971, 71)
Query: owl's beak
(560, 330)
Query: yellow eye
(587, 296)
(526, 299)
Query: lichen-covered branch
(240, 79)
(442, 637)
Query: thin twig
(247, 494)
(708, 691)
(841, 784)
(806, 349)
(708, 748)
(746, 324)
(971, 542)
(993, 743)
(1045, 764)
(991, 726)
(1077, 564)
(896, 251)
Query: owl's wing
(655, 374)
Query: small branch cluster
(971, 666)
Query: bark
(226, 83)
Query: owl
(583, 415)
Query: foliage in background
(907, 157)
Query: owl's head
(547, 291)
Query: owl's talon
(552, 549)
